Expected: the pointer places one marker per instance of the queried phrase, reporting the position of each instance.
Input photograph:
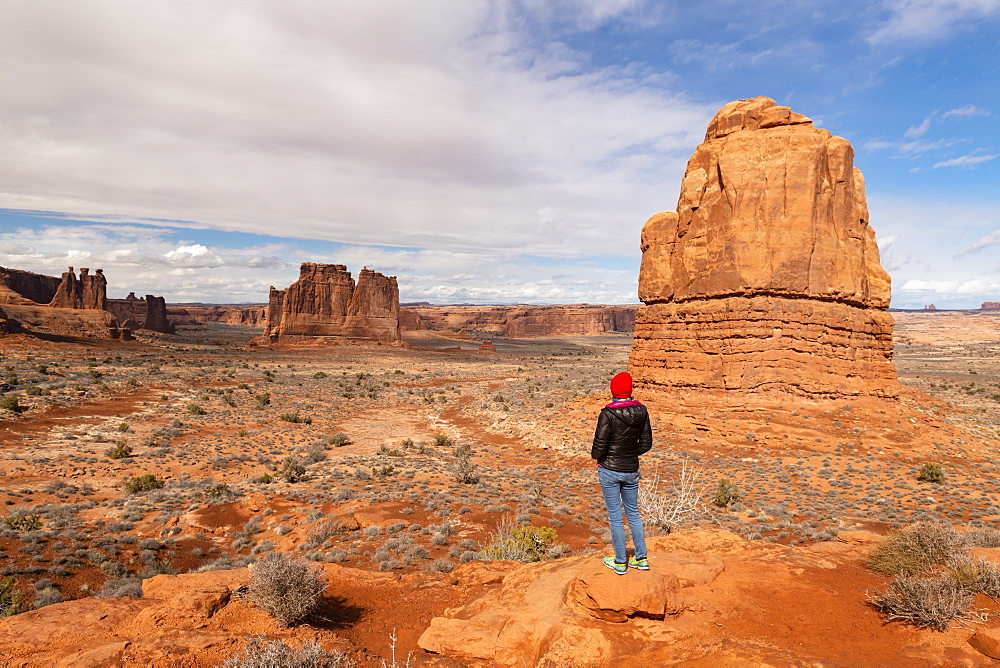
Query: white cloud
(308, 121)
(919, 130)
(969, 161)
(991, 239)
(967, 110)
(930, 19)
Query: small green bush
(11, 404)
(339, 440)
(441, 440)
(195, 409)
(931, 473)
(218, 491)
(120, 450)
(123, 427)
(383, 471)
(463, 469)
(11, 600)
(22, 522)
(726, 493)
(143, 483)
(264, 479)
(263, 399)
(35, 391)
(296, 418)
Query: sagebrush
(287, 588)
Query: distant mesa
(990, 306)
(767, 277)
(325, 303)
(930, 307)
(73, 306)
(521, 320)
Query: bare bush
(916, 549)
(287, 588)
(669, 507)
(976, 575)
(924, 602)
(983, 537)
(258, 653)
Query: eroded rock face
(766, 278)
(325, 302)
(134, 313)
(990, 306)
(90, 291)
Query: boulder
(766, 278)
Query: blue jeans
(622, 489)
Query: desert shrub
(441, 440)
(983, 537)
(35, 391)
(296, 418)
(383, 471)
(143, 483)
(287, 588)
(726, 493)
(292, 469)
(977, 575)
(522, 544)
(441, 565)
(120, 450)
(264, 479)
(120, 587)
(10, 597)
(931, 473)
(22, 522)
(916, 549)
(670, 507)
(263, 399)
(11, 404)
(924, 602)
(195, 409)
(463, 469)
(339, 440)
(260, 654)
(218, 491)
(46, 596)
(123, 427)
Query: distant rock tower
(766, 278)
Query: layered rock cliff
(767, 276)
(325, 302)
(90, 291)
(522, 321)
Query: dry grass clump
(916, 549)
(670, 507)
(983, 537)
(287, 588)
(924, 602)
(976, 575)
(260, 654)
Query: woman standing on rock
(623, 433)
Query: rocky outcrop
(90, 291)
(990, 306)
(521, 320)
(134, 313)
(18, 286)
(766, 278)
(326, 303)
(243, 315)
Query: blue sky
(487, 152)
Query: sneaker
(641, 564)
(620, 569)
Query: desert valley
(432, 463)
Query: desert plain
(345, 456)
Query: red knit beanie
(621, 386)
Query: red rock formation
(767, 277)
(149, 313)
(325, 302)
(930, 307)
(990, 306)
(487, 347)
(521, 320)
(18, 286)
(87, 292)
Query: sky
(503, 151)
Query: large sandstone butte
(148, 313)
(766, 278)
(325, 302)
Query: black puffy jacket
(623, 433)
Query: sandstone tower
(766, 279)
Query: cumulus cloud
(308, 120)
